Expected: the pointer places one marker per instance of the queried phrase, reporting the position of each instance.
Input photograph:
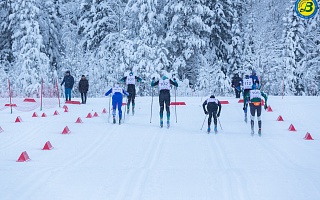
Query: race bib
(247, 83)
(212, 100)
(164, 84)
(131, 80)
(255, 94)
(117, 89)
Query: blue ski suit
(117, 96)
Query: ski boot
(132, 110)
(114, 119)
(208, 130)
(128, 110)
(161, 123)
(259, 132)
(245, 119)
(215, 129)
(168, 124)
(119, 121)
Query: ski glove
(265, 106)
(205, 112)
(244, 108)
(218, 115)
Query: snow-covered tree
(31, 63)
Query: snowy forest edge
(201, 43)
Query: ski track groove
(139, 179)
(234, 177)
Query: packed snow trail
(138, 160)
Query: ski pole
(109, 108)
(175, 102)
(219, 123)
(203, 122)
(151, 103)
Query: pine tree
(31, 63)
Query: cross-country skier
(164, 96)
(213, 109)
(117, 96)
(131, 88)
(254, 100)
(236, 84)
(247, 86)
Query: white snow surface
(138, 160)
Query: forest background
(202, 43)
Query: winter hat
(212, 96)
(68, 72)
(83, 76)
(164, 77)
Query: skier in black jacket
(83, 88)
(164, 96)
(213, 109)
(131, 89)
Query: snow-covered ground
(140, 161)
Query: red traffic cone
(79, 120)
(24, 157)
(95, 114)
(269, 109)
(34, 114)
(104, 111)
(89, 115)
(55, 113)
(66, 109)
(308, 137)
(1, 130)
(18, 119)
(66, 130)
(280, 118)
(291, 128)
(47, 146)
(43, 115)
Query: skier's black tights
(214, 116)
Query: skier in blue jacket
(117, 96)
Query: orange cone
(23, 157)
(308, 137)
(55, 113)
(291, 128)
(280, 118)
(66, 109)
(66, 130)
(34, 114)
(89, 115)
(269, 109)
(95, 114)
(18, 119)
(1, 130)
(104, 111)
(47, 146)
(79, 120)
(43, 115)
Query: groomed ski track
(138, 160)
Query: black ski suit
(213, 109)
(164, 97)
(131, 89)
